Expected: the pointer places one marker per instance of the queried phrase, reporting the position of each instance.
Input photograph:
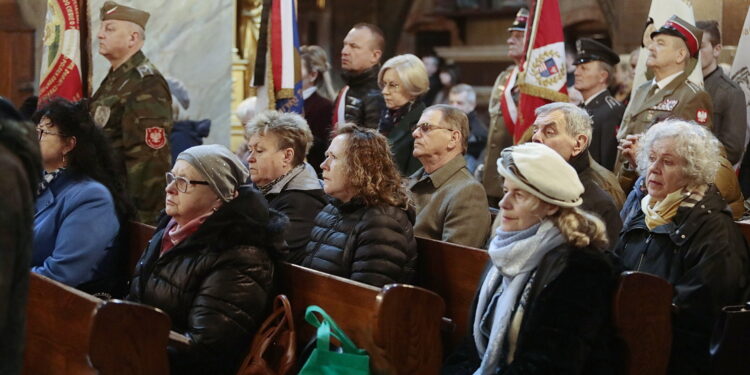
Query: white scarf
(513, 265)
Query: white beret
(542, 172)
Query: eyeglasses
(425, 127)
(181, 182)
(41, 132)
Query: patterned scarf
(662, 212)
(47, 179)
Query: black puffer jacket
(216, 284)
(364, 101)
(373, 245)
(703, 255)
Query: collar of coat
(132, 63)
(441, 175)
(362, 78)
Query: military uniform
(606, 113)
(730, 116)
(498, 137)
(134, 107)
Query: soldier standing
(595, 71)
(503, 110)
(134, 107)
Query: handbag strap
(333, 329)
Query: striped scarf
(662, 212)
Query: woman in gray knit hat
(210, 264)
(543, 306)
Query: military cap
(591, 50)
(113, 11)
(676, 26)
(519, 24)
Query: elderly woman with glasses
(277, 145)
(366, 232)
(210, 264)
(81, 204)
(678, 226)
(543, 306)
(402, 79)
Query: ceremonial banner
(543, 77)
(61, 57)
(277, 81)
(741, 68)
(659, 13)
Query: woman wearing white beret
(543, 306)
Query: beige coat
(451, 205)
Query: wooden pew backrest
(454, 273)
(642, 308)
(71, 332)
(398, 325)
(138, 236)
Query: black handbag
(730, 342)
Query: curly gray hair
(577, 120)
(699, 149)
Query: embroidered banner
(61, 56)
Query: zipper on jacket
(643, 254)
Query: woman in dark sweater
(317, 92)
(365, 233)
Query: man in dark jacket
(594, 73)
(19, 161)
(463, 97)
(730, 116)
(567, 129)
(360, 101)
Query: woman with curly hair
(366, 231)
(81, 205)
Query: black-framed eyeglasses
(425, 127)
(40, 132)
(181, 183)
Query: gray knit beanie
(221, 168)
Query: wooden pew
(398, 325)
(453, 272)
(71, 332)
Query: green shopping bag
(323, 361)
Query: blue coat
(75, 233)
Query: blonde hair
(290, 129)
(410, 71)
(580, 228)
(316, 60)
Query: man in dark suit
(594, 73)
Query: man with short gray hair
(566, 129)
(134, 107)
(451, 205)
(463, 97)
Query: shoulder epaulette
(612, 102)
(145, 70)
(693, 86)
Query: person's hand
(629, 148)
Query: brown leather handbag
(274, 348)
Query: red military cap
(680, 28)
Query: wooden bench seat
(71, 332)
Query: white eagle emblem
(701, 116)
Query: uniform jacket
(300, 197)
(607, 113)
(18, 158)
(134, 106)
(596, 200)
(373, 245)
(730, 115)
(703, 255)
(498, 137)
(215, 285)
(680, 98)
(318, 113)
(451, 205)
(401, 141)
(364, 101)
(567, 326)
(76, 235)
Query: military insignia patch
(666, 105)
(156, 138)
(101, 115)
(701, 116)
(144, 70)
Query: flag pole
(85, 35)
(532, 37)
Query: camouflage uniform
(134, 107)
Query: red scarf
(174, 233)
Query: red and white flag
(543, 77)
(61, 58)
